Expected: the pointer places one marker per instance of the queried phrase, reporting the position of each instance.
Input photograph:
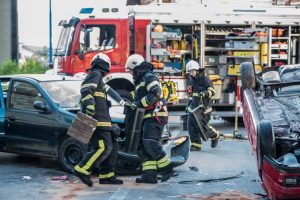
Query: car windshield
(65, 93)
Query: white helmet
(192, 65)
(103, 57)
(133, 61)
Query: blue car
(37, 110)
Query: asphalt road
(31, 178)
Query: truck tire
(247, 75)
(265, 143)
(125, 95)
(70, 153)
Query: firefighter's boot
(112, 180)
(148, 176)
(165, 168)
(149, 172)
(84, 178)
(109, 178)
(196, 146)
(214, 141)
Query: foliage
(31, 66)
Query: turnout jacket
(94, 98)
(148, 94)
(201, 91)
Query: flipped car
(271, 113)
(37, 110)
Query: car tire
(70, 153)
(265, 143)
(248, 75)
(125, 95)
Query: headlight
(180, 141)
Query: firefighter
(148, 95)
(201, 90)
(102, 147)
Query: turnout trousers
(195, 133)
(102, 151)
(150, 150)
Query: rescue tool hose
(211, 179)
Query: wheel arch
(120, 81)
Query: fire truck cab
(169, 35)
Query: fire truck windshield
(64, 41)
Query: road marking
(120, 194)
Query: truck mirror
(80, 52)
(87, 36)
(39, 105)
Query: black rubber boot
(148, 176)
(196, 147)
(84, 178)
(214, 141)
(112, 180)
(165, 173)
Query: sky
(34, 18)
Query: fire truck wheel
(125, 95)
(265, 143)
(70, 153)
(248, 75)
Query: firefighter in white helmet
(102, 148)
(201, 90)
(148, 95)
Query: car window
(23, 96)
(97, 37)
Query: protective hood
(141, 69)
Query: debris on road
(194, 168)
(211, 180)
(60, 178)
(232, 195)
(241, 136)
(26, 177)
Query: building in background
(8, 30)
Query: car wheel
(247, 75)
(70, 153)
(125, 95)
(265, 142)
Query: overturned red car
(271, 113)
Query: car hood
(116, 113)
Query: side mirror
(39, 105)
(80, 52)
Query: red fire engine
(168, 35)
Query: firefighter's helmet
(192, 65)
(101, 61)
(133, 61)
(158, 28)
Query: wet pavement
(226, 172)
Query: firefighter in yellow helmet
(201, 90)
(102, 147)
(148, 95)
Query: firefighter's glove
(133, 106)
(116, 130)
(202, 94)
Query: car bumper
(274, 176)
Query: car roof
(42, 77)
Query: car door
(27, 129)
(94, 37)
(2, 110)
